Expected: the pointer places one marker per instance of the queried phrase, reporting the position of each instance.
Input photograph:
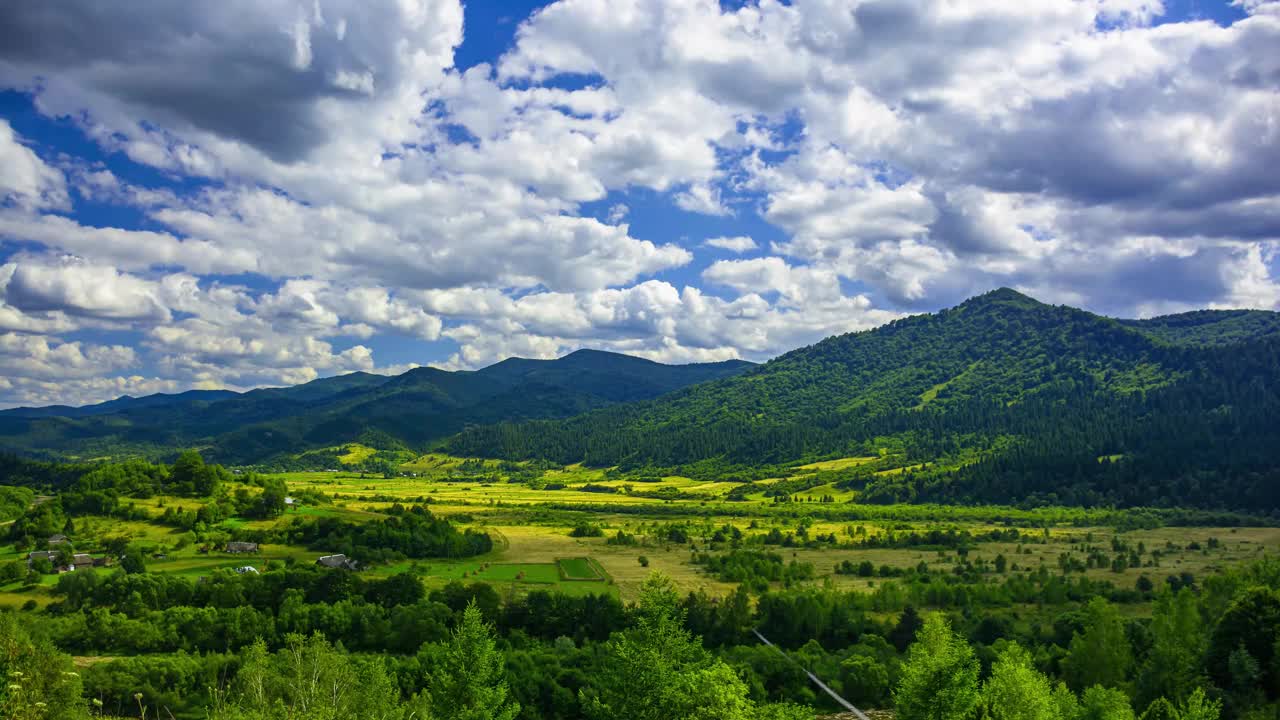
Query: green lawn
(472, 570)
(521, 572)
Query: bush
(622, 538)
(584, 529)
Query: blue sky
(245, 194)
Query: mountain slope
(414, 408)
(992, 400)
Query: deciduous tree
(940, 678)
(1100, 654)
(1016, 690)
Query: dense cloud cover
(277, 189)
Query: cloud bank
(276, 191)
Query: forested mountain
(1000, 399)
(411, 409)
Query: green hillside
(408, 410)
(999, 399)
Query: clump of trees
(586, 530)
(754, 568)
(190, 476)
(412, 532)
(940, 681)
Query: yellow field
(407, 489)
(838, 464)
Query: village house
(58, 540)
(337, 561)
(81, 561)
(241, 547)
(50, 555)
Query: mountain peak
(1002, 296)
(603, 355)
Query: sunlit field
(533, 549)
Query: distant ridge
(406, 410)
(123, 403)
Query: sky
(263, 192)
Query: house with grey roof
(50, 555)
(338, 561)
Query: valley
(533, 522)
(1006, 481)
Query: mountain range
(407, 410)
(999, 399)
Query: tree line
(929, 646)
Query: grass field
(578, 569)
